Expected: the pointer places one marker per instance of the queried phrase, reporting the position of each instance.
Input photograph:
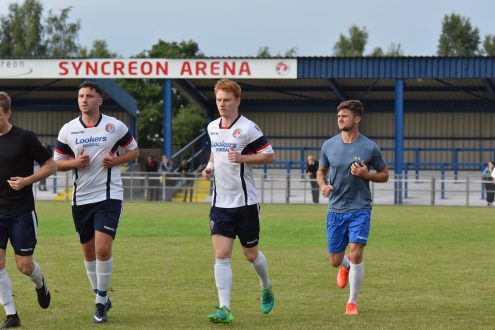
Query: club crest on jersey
(110, 128)
(237, 132)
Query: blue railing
(195, 151)
(417, 165)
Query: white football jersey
(94, 183)
(234, 183)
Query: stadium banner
(148, 68)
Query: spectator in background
(311, 169)
(188, 181)
(152, 166)
(489, 183)
(166, 165)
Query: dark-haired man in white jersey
(236, 144)
(88, 145)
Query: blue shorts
(101, 216)
(243, 222)
(345, 228)
(22, 229)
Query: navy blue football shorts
(100, 216)
(243, 222)
(345, 228)
(22, 230)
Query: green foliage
(99, 50)
(23, 34)
(149, 96)
(264, 52)
(419, 266)
(394, 50)
(489, 45)
(21, 30)
(354, 44)
(458, 37)
(61, 36)
(187, 123)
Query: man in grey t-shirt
(346, 158)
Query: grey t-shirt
(350, 193)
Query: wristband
(210, 165)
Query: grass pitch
(425, 268)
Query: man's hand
(359, 169)
(17, 182)
(82, 159)
(207, 173)
(326, 189)
(234, 156)
(109, 160)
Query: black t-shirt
(312, 169)
(18, 151)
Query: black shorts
(22, 229)
(101, 216)
(243, 222)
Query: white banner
(149, 68)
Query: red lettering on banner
(229, 69)
(244, 69)
(162, 68)
(132, 68)
(77, 67)
(186, 69)
(151, 68)
(62, 66)
(215, 67)
(118, 68)
(103, 68)
(91, 68)
(146, 68)
(201, 68)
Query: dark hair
(353, 105)
(91, 84)
(5, 101)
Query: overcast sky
(241, 27)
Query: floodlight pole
(399, 139)
(167, 118)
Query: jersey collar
(85, 126)
(233, 123)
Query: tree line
(25, 32)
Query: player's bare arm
(321, 178)
(110, 160)
(82, 160)
(259, 158)
(45, 170)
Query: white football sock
(6, 298)
(356, 275)
(261, 267)
(103, 275)
(36, 276)
(91, 272)
(223, 281)
(346, 262)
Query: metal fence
(276, 186)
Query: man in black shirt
(18, 151)
(311, 169)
